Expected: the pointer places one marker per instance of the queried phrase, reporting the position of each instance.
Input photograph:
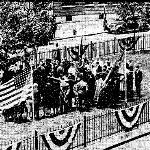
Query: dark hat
(80, 75)
(137, 66)
(12, 60)
(48, 60)
(105, 66)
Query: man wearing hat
(81, 88)
(72, 70)
(138, 80)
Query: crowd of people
(59, 86)
(70, 82)
(67, 82)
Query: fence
(101, 125)
(93, 50)
(93, 127)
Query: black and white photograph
(74, 75)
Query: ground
(137, 139)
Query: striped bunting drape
(128, 117)
(57, 140)
(60, 140)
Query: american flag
(16, 90)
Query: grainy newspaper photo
(74, 75)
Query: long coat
(138, 77)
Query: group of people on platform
(58, 85)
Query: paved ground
(142, 143)
(137, 139)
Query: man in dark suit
(130, 84)
(138, 80)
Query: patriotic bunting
(60, 140)
(128, 43)
(127, 118)
(77, 52)
(14, 146)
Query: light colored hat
(35, 85)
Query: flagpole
(125, 77)
(80, 59)
(33, 109)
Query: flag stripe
(10, 81)
(10, 104)
(16, 100)
(13, 96)
(11, 92)
(9, 95)
(7, 91)
(5, 87)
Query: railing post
(36, 142)
(107, 49)
(84, 131)
(91, 47)
(104, 48)
(114, 45)
(65, 53)
(143, 41)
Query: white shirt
(87, 66)
(81, 84)
(94, 70)
(72, 70)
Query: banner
(128, 117)
(128, 43)
(56, 54)
(60, 140)
(76, 55)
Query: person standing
(81, 88)
(138, 80)
(91, 88)
(66, 66)
(39, 77)
(70, 92)
(36, 101)
(60, 70)
(98, 71)
(48, 67)
(72, 70)
(129, 82)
